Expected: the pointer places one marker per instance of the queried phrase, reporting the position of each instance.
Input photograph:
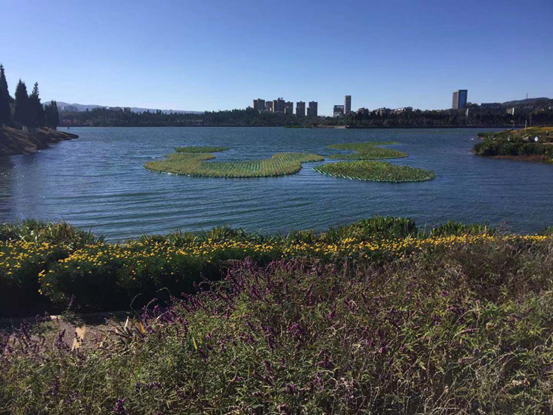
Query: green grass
(375, 171)
(191, 163)
(367, 151)
(200, 149)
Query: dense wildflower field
(375, 317)
(376, 171)
(190, 161)
(367, 151)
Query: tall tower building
(460, 99)
(300, 109)
(259, 104)
(313, 109)
(347, 105)
(278, 105)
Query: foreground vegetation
(518, 144)
(375, 171)
(190, 161)
(389, 319)
(54, 266)
(367, 151)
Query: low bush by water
(518, 143)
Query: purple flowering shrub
(462, 329)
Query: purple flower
(119, 407)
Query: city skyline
(215, 56)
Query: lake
(99, 182)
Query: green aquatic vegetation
(200, 149)
(191, 163)
(367, 151)
(376, 171)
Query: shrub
(464, 328)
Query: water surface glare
(99, 182)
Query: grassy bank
(14, 141)
(375, 171)
(190, 161)
(367, 151)
(532, 144)
(454, 320)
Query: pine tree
(22, 113)
(5, 99)
(36, 111)
(51, 115)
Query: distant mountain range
(84, 107)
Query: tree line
(25, 111)
(250, 117)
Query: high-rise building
(347, 105)
(289, 108)
(363, 113)
(460, 99)
(300, 109)
(278, 105)
(383, 112)
(338, 111)
(259, 104)
(269, 106)
(313, 109)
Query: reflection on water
(99, 182)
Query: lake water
(98, 181)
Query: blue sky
(220, 54)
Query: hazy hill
(530, 101)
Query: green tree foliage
(5, 99)
(22, 112)
(250, 117)
(51, 115)
(36, 111)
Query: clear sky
(221, 54)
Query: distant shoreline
(332, 127)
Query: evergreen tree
(22, 112)
(51, 115)
(36, 111)
(5, 99)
